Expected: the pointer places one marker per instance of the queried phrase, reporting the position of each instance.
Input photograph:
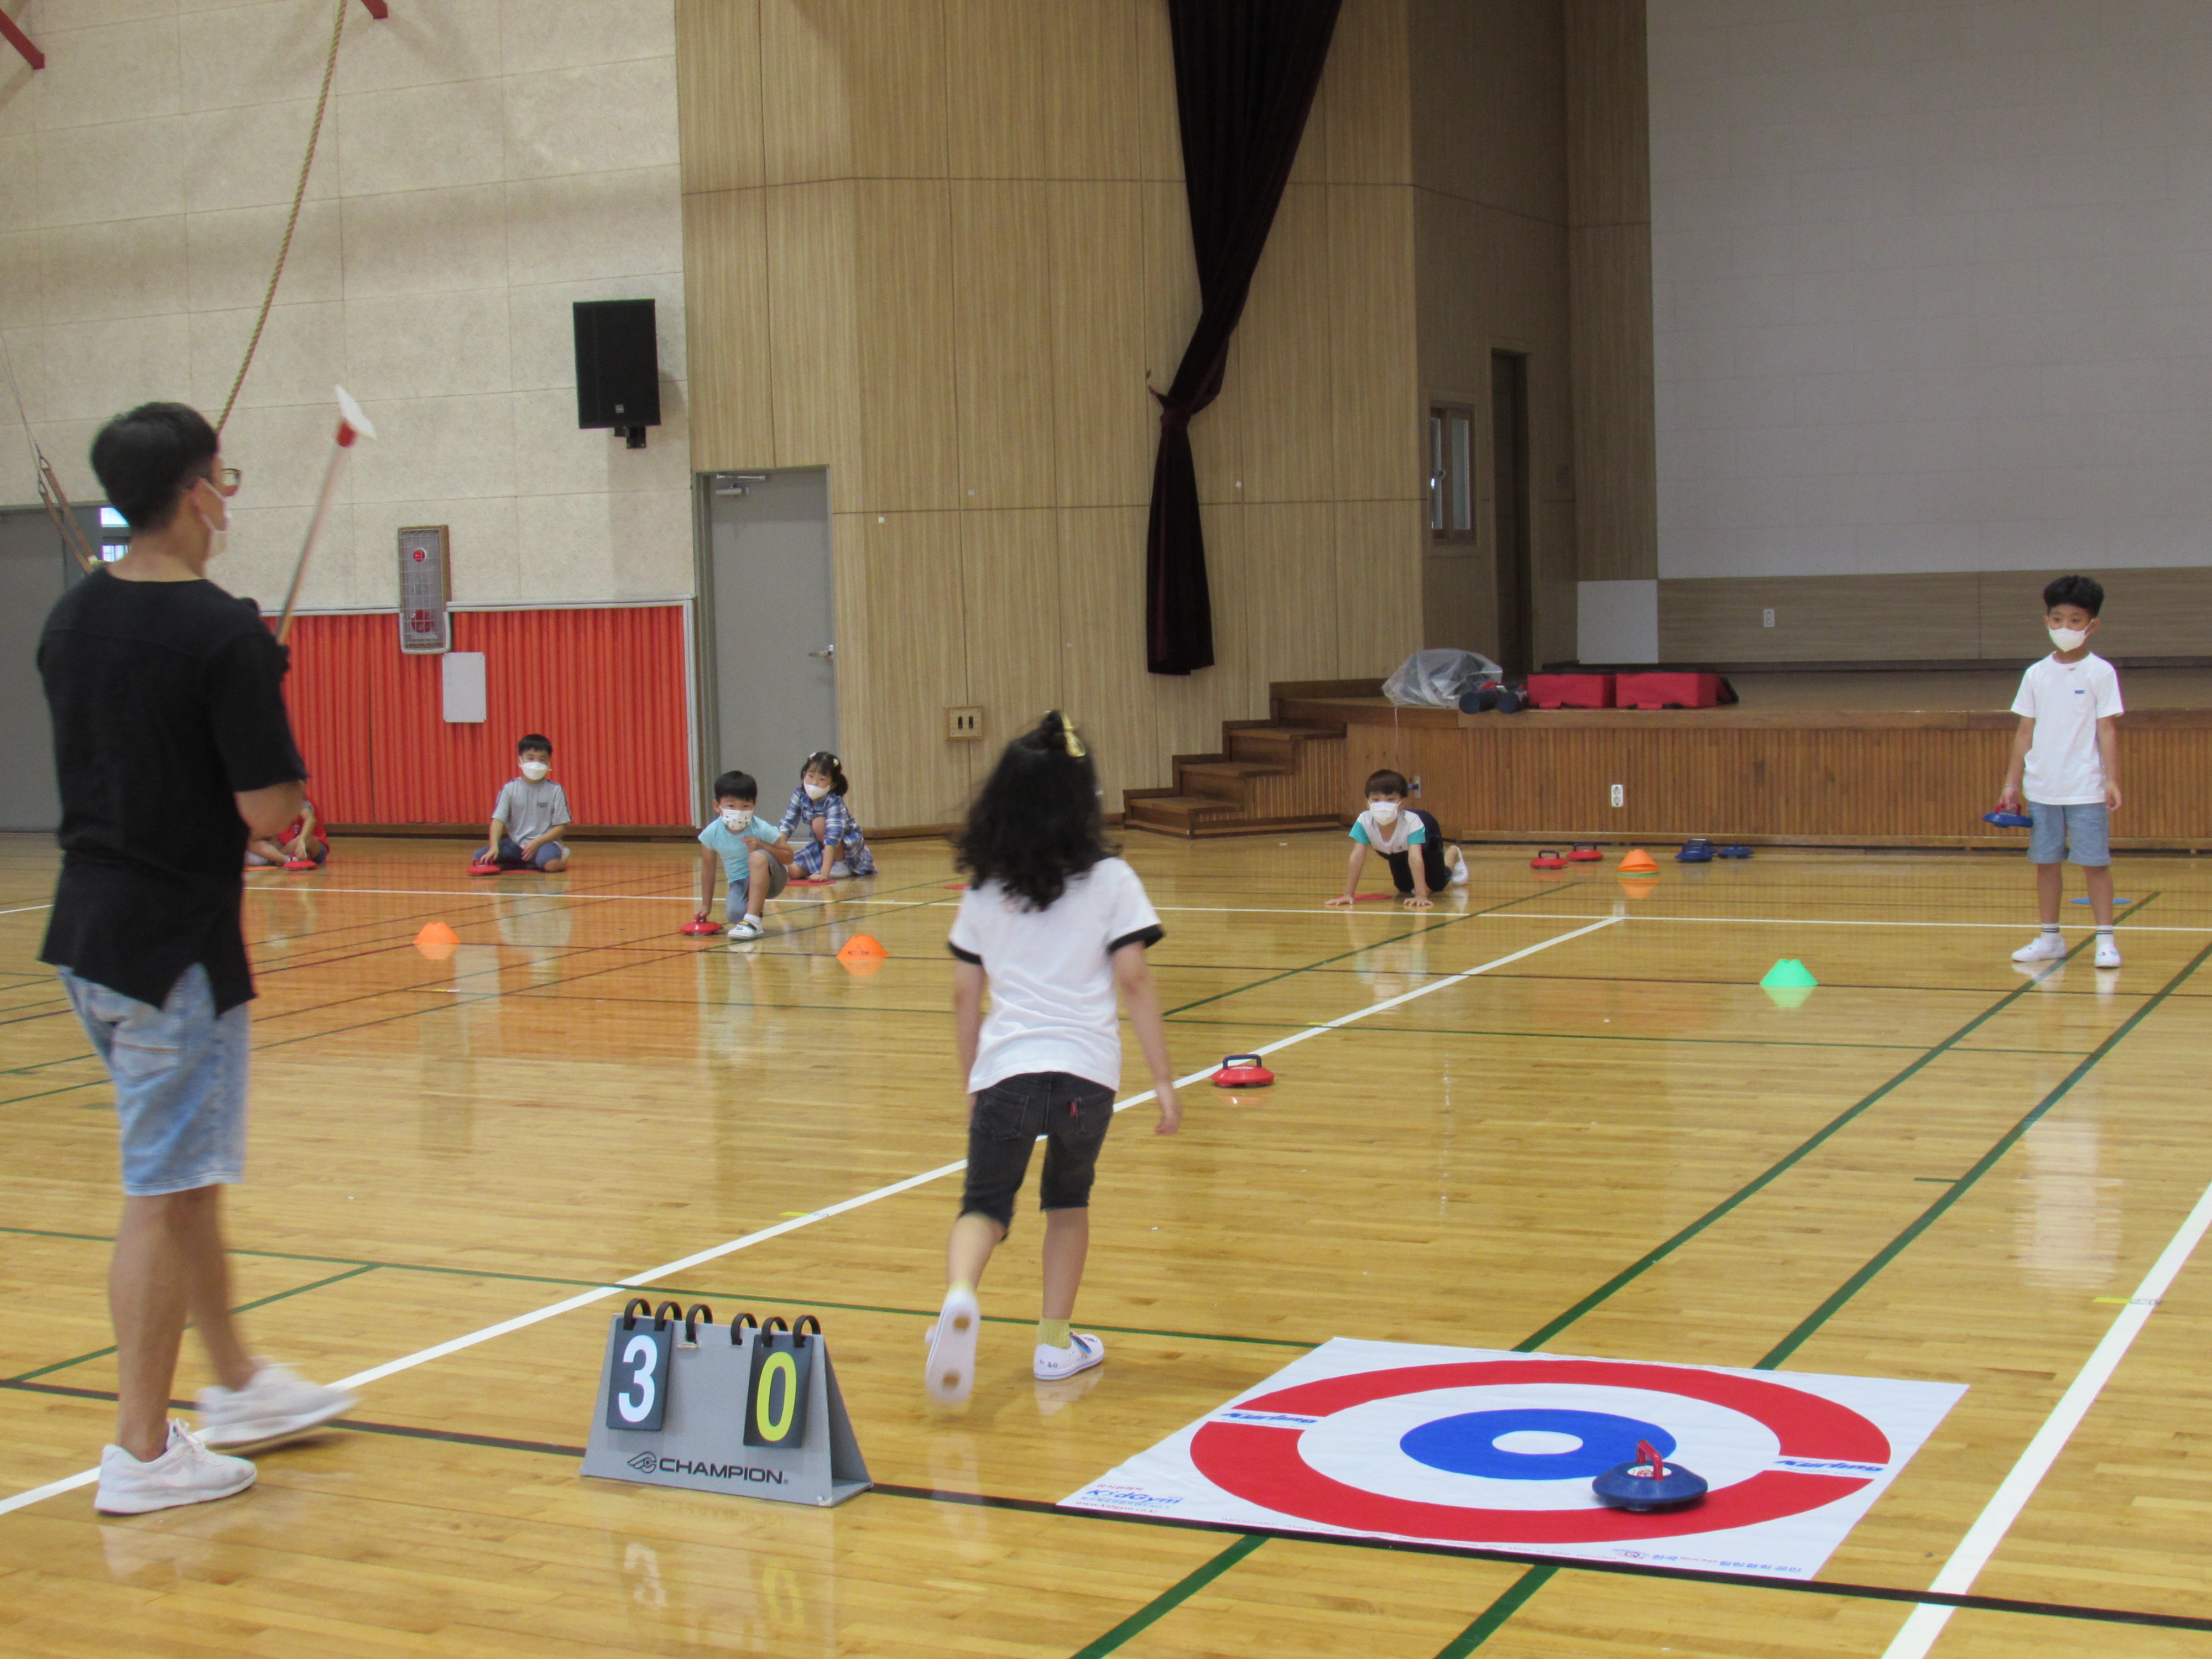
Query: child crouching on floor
(1410, 842)
(827, 840)
(755, 859)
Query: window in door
(1451, 473)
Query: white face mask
(737, 817)
(815, 791)
(2066, 639)
(218, 534)
(535, 769)
(1385, 812)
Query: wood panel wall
(941, 247)
(1489, 133)
(1609, 288)
(1915, 780)
(1933, 616)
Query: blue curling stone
(1696, 851)
(1622, 1488)
(2009, 820)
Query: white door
(769, 680)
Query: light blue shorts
(179, 1076)
(2082, 833)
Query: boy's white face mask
(2068, 639)
(737, 817)
(815, 791)
(535, 769)
(1385, 811)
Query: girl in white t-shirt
(1053, 925)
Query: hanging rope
(292, 223)
(50, 487)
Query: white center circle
(1537, 1442)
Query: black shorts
(1072, 1113)
(1432, 857)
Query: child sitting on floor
(301, 843)
(819, 825)
(527, 820)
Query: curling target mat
(1496, 1450)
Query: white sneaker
(952, 1348)
(276, 1405)
(839, 871)
(2047, 947)
(2108, 951)
(745, 931)
(1082, 1353)
(186, 1473)
(1457, 860)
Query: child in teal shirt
(756, 859)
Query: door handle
(828, 653)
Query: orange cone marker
(1638, 862)
(862, 956)
(436, 940)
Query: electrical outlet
(1417, 783)
(1619, 796)
(963, 722)
(1766, 617)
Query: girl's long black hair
(1036, 821)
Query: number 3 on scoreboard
(637, 1381)
(775, 1403)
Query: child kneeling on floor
(818, 823)
(1053, 925)
(1410, 840)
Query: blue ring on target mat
(1467, 1444)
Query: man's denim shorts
(179, 1075)
(2081, 833)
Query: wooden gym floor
(1614, 1145)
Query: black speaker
(618, 367)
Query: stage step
(1271, 776)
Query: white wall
(1932, 284)
(484, 164)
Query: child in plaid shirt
(821, 827)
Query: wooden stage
(1841, 759)
(1591, 1135)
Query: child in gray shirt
(526, 824)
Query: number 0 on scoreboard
(775, 1402)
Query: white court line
(1821, 922)
(20, 909)
(745, 1242)
(2011, 1496)
(1317, 910)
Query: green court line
(1782, 1165)
(1604, 1037)
(1436, 924)
(739, 1298)
(1495, 1615)
(558, 952)
(1951, 1194)
(243, 1307)
(1168, 1600)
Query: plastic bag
(1438, 680)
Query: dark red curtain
(1245, 74)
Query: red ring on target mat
(1262, 1465)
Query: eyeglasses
(226, 480)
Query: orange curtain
(607, 686)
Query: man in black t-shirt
(171, 745)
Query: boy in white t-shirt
(1053, 926)
(1412, 842)
(2066, 764)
